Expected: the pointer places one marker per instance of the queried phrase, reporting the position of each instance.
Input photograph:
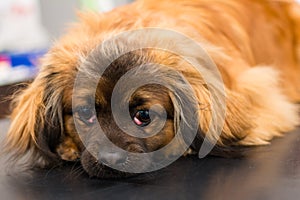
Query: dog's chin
(95, 169)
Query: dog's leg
(70, 146)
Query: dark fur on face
(52, 122)
(142, 100)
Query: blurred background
(28, 27)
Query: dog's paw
(68, 150)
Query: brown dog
(254, 44)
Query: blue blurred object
(29, 59)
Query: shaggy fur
(254, 43)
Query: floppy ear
(256, 111)
(36, 123)
(223, 131)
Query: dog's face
(149, 112)
(88, 116)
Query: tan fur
(255, 44)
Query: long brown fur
(254, 43)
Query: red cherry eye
(87, 115)
(142, 118)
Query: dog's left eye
(142, 118)
(87, 115)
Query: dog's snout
(112, 158)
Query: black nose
(112, 157)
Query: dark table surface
(269, 172)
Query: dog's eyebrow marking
(84, 101)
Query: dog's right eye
(87, 115)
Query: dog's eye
(142, 118)
(87, 115)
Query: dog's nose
(112, 158)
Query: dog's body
(254, 43)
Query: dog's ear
(36, 123)
(256, 111)
(223, 124)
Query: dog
(255, 46)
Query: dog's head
(134, 101)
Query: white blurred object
(20, 26)
(9, 75)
